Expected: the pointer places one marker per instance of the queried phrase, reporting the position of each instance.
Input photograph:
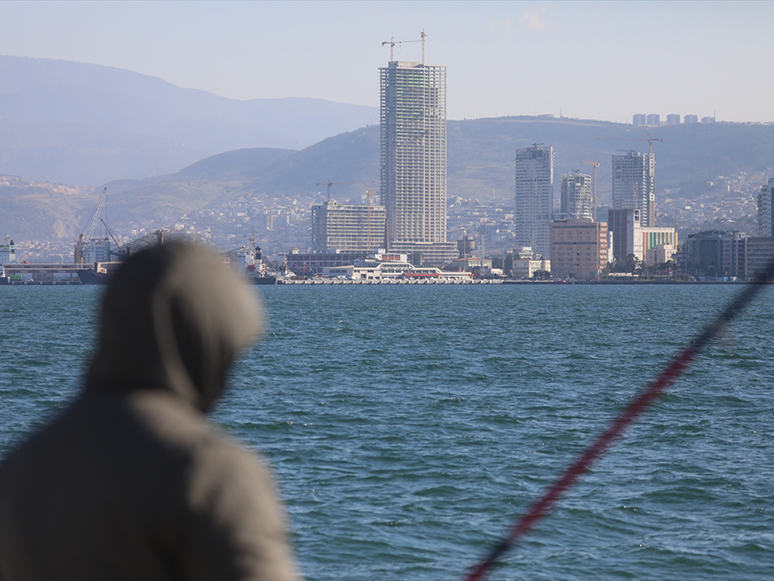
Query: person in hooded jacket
(131, 481)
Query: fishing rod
(646, 397)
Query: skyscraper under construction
(634, 185)
(413, 159)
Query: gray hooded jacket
(131, 481)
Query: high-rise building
(347, 227)
(688, 119)
(766, 210)
(654, 119)
(534, 198)
(639, 119)
(634, 185)
(577, 200)
(673, 119)
(626, 233)
(413, 159)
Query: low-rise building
(578, 248)
(524, 268)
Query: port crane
(392, 42)
(595, 165)
(91, 224)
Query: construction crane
(594, 184)
(329, 184)
(392, 42)
(649, 139)
(91, 224)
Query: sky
(588, 60)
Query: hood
(173, 317)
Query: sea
(409, 426)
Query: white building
(96, 250)
(347, 228)
(654, 119)
(634, 185)
(577, 201)
(413, 158)
(527, 267)
(7, 252)
(534, 198)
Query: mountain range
(86, 124)
(60, 125)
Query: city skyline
(275, 50)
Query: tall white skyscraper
(577, 200)
(634, 185)
(534, 198)
(413, 159)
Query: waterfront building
(658, 244)
(347, 228)
(714, 254)
(654, 119)
(534, 198)
(759, 254)
(673, 119)
(634, 185)
(639, 119)
(766, 210)
(413, 159)
(626, 233)
(7, 252)
(314, 263)
(577, 200)
(578, 248)
(688, 119)
(524, 268)
(707, 119)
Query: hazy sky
(592, 60)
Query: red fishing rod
(646, 397)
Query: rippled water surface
(409, 426)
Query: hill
(480, 165)
(82, 123)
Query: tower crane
(91, 224)
(594, 186)
(392, 42)
(329, 184)
(649, 139)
